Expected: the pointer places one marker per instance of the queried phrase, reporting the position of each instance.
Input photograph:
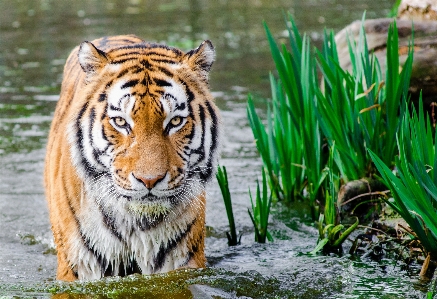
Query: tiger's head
(147, 132)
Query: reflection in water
(36, 36)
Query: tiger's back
(132, 144)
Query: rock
(417, 10)
(358, 198)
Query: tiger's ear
(201, 59)
(90, 58)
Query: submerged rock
(360, 198)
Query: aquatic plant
(359, 110)
(222, 178)
(260, 211)
(356, 108)
(332, 233)
(394, 10)
(290, 146)
(414, 188)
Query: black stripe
(162, 83)
(136, 46)
(120, 61)
(209, 169)
(96, 152)
(128, 53)
(89, 169)
(123, 270)
(170, 97)
(190, 135)
(145, 223)
(137, 70)
(129, 83)
(146, 64)
(180, 173)
(112, 107)
(159, 259)
(180, 106)
(166, 61)
(102, 97)
(103, 263)
(165, 71)
(200, 150)
(109, 84)
(145, 81)
(184, 158)
(189, 93)
(122, 73)
(83, 237)
(109, 222)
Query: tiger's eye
(175, 121)
(120, 121)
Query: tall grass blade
(261, 211)
(414, 190)
(222, 178)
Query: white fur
(122, 99)
(170, 105)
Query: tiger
(133, 143)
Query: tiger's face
(148, 131)
(151, 137)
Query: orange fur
(144, 147)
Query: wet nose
(151, 182)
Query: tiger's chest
(119, 240)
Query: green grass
(332, 233)
(260, 211)
(356, 109)
(359, 110)
(414, 188)
(222, 178)
(290, 144)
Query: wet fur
(105, 220)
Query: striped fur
(133, 142)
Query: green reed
(414, 188)
(290, 144)
(356, 108)
(332, 233)
(222, 178)
(260, 211)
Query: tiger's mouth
(150, 209)
(150, 198)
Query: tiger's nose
(151, 182)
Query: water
(36, 36)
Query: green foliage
(331, 231)
(394, 10)
(358, 110)
(222, 178)
(414, 189)
(290, 146)
(260, 211)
